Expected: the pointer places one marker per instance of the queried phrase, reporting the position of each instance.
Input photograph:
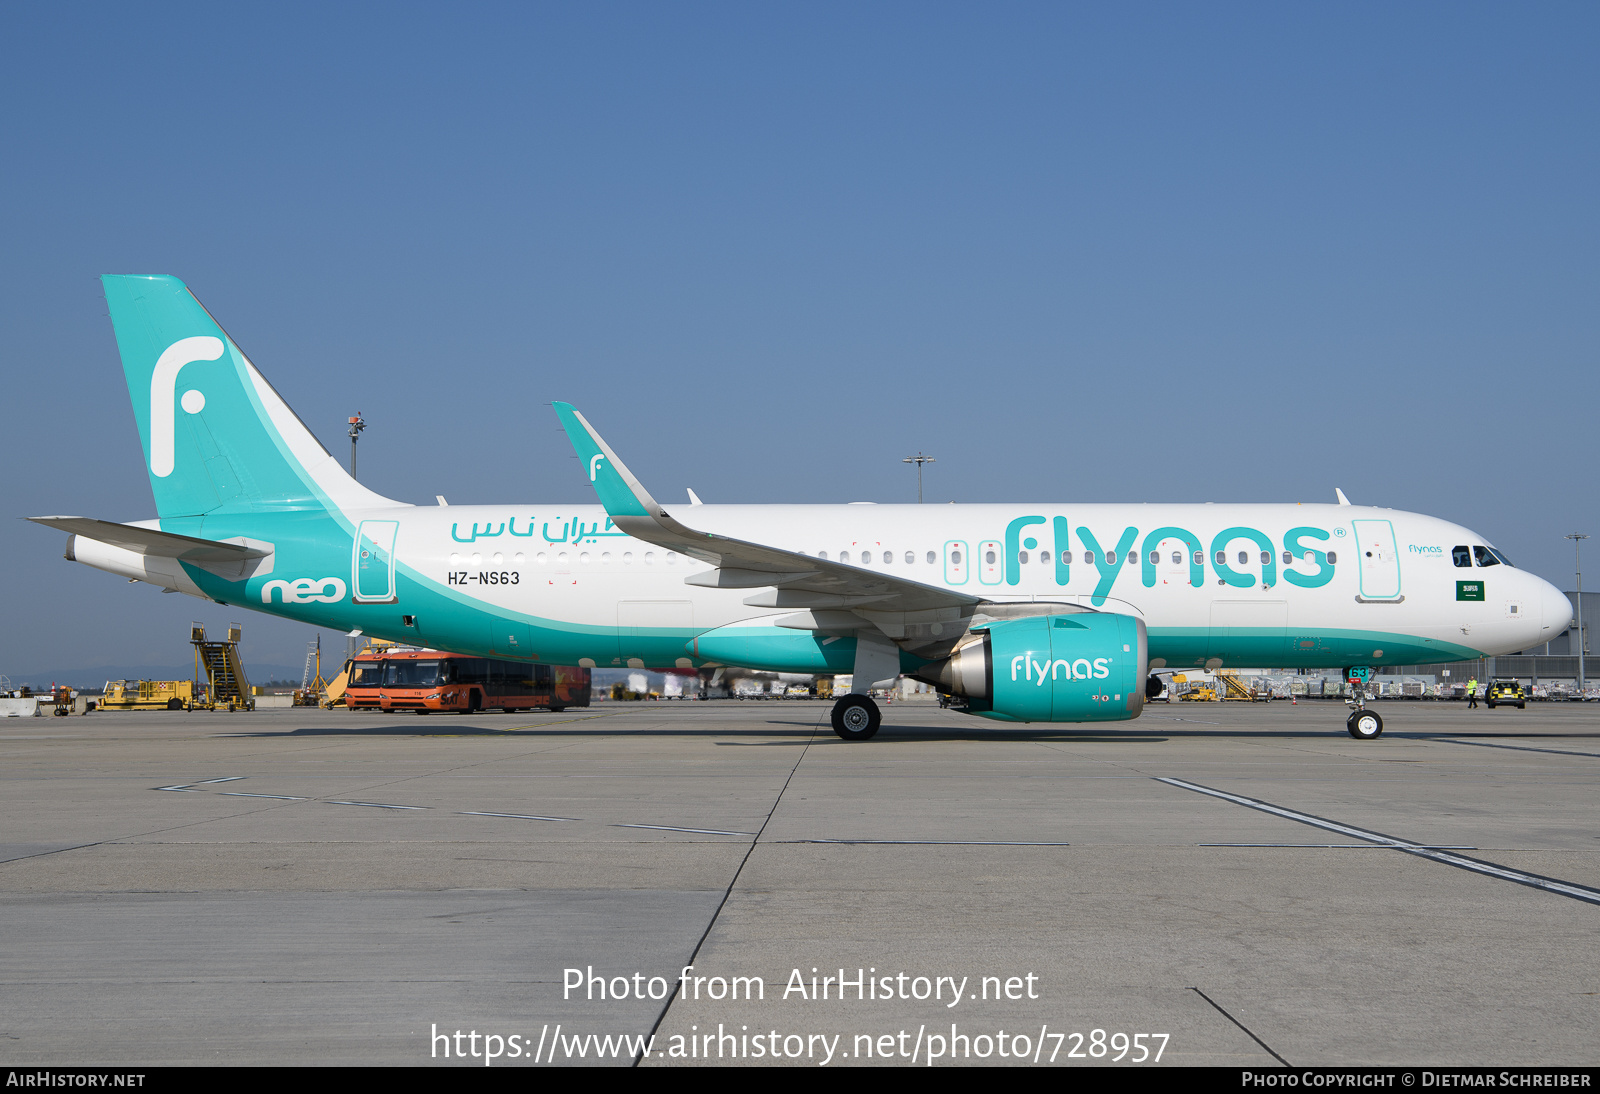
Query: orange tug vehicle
(424, 681)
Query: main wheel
(174, 704)
(1364, 725)
(856, 717)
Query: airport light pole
(1577, 539)
(919, 459)
(357, 424)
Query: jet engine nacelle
(1085, 667)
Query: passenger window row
(867, 558)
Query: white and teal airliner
(1028, 613)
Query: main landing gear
(856, 717)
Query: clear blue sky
(1227, 252)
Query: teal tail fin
(217, 437)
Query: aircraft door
(990, 564)
(372, 562)
(955, 562)
(1378, 558)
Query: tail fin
(217, 437)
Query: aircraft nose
(1555, 611)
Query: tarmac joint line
(1241, 1025)
(734, 880)
(1428, 851)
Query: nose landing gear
(1363, 724)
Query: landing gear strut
(1363, 724)
(856, 717)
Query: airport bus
(424, 680)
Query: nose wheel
(856, 717)
(1364, 725)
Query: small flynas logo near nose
(594, 466)
(163, 388)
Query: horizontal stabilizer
(148, 541)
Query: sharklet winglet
(632, 509)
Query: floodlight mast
(1577, 539)
(357, 424)
(919, 459)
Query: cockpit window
(1461, 556)
(1501, 556)
(1484, 556)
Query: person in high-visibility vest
(1472, 694)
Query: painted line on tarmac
(375, 805)
(931, 842)
(274, 797)
(1349, 846)
(1461, 862)
(1517, 748)
(697, 831)
(512, 816)
(189, 788)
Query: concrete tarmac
(1223, 883)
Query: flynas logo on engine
(164, 388)
(1040, 671)
(305, 590)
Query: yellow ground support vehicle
(1198, 691)
(218, 662)
(1233, 689)
(147, 695)
(1505, 693)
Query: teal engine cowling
(1084, 667)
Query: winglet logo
(594, 465)
(163, 388)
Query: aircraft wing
(795, 580)
(148, 541)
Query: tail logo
(594, 465)
(164, 388)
